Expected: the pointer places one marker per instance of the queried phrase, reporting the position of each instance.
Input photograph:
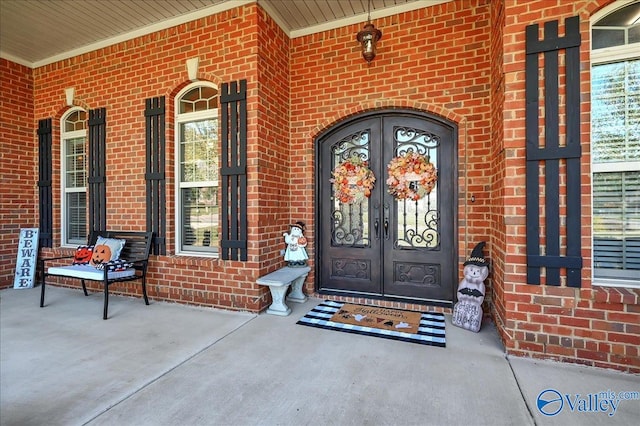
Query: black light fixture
(368, 38)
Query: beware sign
(27, 258)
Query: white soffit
(39, 32)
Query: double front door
(376, 243)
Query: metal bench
(136, 251)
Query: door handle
(386, 220)
(376, 225)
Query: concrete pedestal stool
(279, 282)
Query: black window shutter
(233, 171)
(551, 154)
(155, 141)
(97, 169)
(45, 190)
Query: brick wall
(18, 171)
(499, 194)
(463, 60)
(273, 166)
(592, 325)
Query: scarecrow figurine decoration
(296, 255)
(467, 312)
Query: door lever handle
(386, 229)
(376, 225)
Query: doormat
(425, 328)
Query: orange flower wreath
(411, 176)
(352, 180)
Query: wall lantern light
(368, 38)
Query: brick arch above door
(349, 110)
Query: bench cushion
(88, 272)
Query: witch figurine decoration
(467, 312)
(295, 254)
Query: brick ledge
(624, 295)
(190, 260)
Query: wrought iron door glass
(417, 221)
(350, 221)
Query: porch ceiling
(38, 32)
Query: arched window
(73, 173)
(615, 143)
(197, 170)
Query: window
(615, 139)
(73, 159)
(197, 170)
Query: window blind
(616, 224)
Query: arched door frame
(425, 116)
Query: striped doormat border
(430, 332)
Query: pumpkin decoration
(83, 255)
(101, 254)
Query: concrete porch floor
(169, 364)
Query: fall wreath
(352, 180)
(411, 176)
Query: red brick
(626, 361)
(592, 355)
(554, 310)
(625, 338)
(575, 322)
(607, 326)
(629, 318)
(609, 306)
(560, 350)
(529, 346)
(528, 326)
(589, 313)
(557, 330)
(590, 334)
(526, 307)
(544, 319)
(632, 328)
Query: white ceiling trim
(362, 18)
(15, 59)
(149, 29)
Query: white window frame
(64, 136)
(179, 120)
(603, 56)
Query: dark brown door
(381, 246)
